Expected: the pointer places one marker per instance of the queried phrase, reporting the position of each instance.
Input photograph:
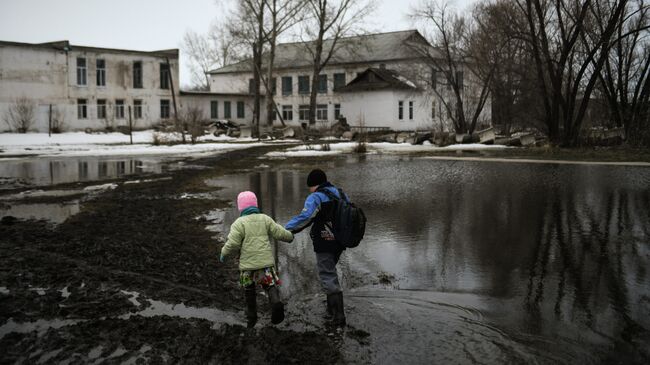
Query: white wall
(381, 109)
(48, 76)
(238, 83)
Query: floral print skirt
(266, 277)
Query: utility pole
(130, 126)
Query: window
(459, 79)
(433, 110)
(164, 108)
(82, 109)
(303, 112)
(83, 170)
(81, 71)
(400, 110)
(214, 109)
(119, 109)
(337, 111)
(434, 79)
(251, 86)
(137, 75)
(339, 80)
(101, 108)
(137, 109)
(101, 72)
(287, 86)
(410, 110)
(322, 84)
(321, 111)
(226, 110)
(303, 85)
(287, 112)
(240, 110)
(164, 76)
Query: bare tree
(20, 116)
(326, 23)
(247, 27)
(193, 122)
(456, 46)
(625, 78)
(207, 52)
(570, 42)
(513, 92)
(58, 120)
(283, 15)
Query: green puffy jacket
(249, 235)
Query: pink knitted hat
(246, 199)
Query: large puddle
(45, 171)
(491, 262)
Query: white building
(88, 87)
(374, 81)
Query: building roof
(66, 46)
(374, 79)
(378, 47)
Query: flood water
(46, 171)
(484, 262)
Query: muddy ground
(68, 290)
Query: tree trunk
(270, 108)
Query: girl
(249, 236)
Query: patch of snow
(48, 356)
(306, 153)
(133, 297)
(95, 352)
(118, 352)
(40, 193)
(384, 147)
(139, 181)
(39, 291)
(40, 326)
(111, 144)
(158, 308)
(110, 186)
(64, 292)
(406, 81)
(4, 290)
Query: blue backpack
(348, 220)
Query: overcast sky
(141, 25)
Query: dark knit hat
(316, 177)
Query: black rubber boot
(335, 301)
(251, 306)
(277, 307)
(329, 312)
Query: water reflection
(51, 172)
(53, 212)
(561, 250)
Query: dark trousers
(326, 264)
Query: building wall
(204, 103)
(239, 83)
(119, 86)
(48, 76)
(381, 109)
(35, 73)
(378, 109)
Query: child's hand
(222, 258)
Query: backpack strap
(329, 194)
